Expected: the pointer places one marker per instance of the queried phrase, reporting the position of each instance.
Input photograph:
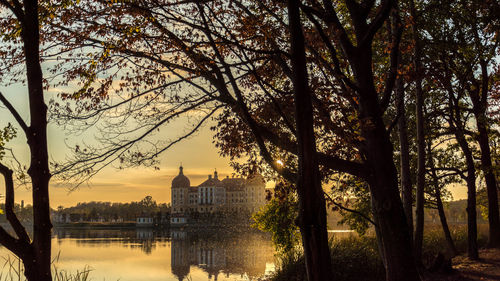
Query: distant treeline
(455, 212)
(24, 213)
(108, 211)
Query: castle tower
(179, 192)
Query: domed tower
(180, 186)
(180, 180)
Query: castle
(234, 195)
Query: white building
(214, 195)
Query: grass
(434, 241)
(13, 270)
(348, 255)
(357, 259)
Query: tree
(438, 186)
(240, 68)
(461, 50)
(20, 29)
(278, 217)
(148, 202)
(312, 211)
(404, 154)
(419, 228)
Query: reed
(12, 270)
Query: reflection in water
(143, 239)
(218, 253)
(146, 254)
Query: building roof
(255, 178)
(211, 181)
(230, 184)
(233, 184)
(180, 180)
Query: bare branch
(330, 199)
(14, 113)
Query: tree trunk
(406, 186)
(388, 209)
(479, 101)
(419, 227)
(491, 185)
(37, 140)
(472, 248)
(312, 209)
(383, 180)
(439, 202)
(444, 223)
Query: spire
(215, 174)
(180, 170)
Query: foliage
(278, 217)
(6, 134)
(482, 203)
(355, 195)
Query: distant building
(233, 195)
(144, 221)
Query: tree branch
(9, 205)
(16, 8)
(14, 113)
(397, 31)
(330, 199)
(6, 239)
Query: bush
(354, 258)
(434, 241)
(357, 258)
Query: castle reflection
(219, 253)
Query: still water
(167, 255)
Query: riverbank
(357, 259)
(96, 225)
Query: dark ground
(464, 269)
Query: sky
(197, 154)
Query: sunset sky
(198, 155)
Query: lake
(153, 255)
